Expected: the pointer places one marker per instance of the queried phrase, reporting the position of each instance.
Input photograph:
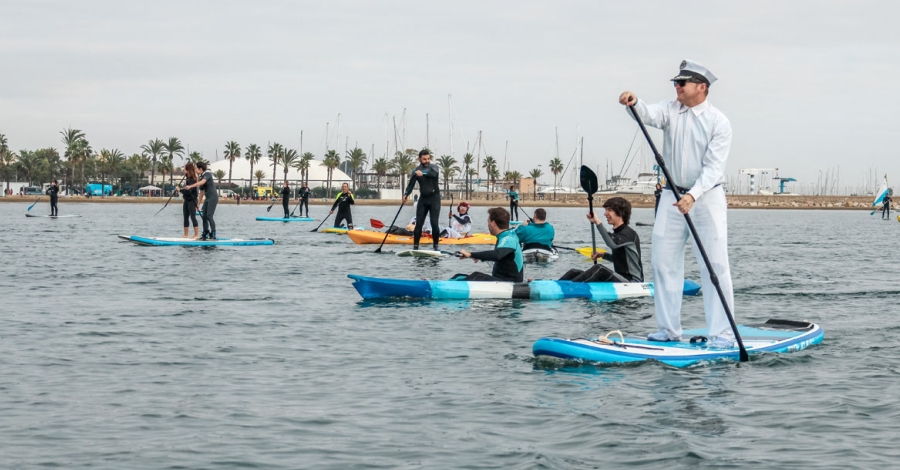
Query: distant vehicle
(97, 189)
(33, 191)
(263, 191)
(226, 193)
(558, 190)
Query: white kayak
(423, 254)
(539, 255)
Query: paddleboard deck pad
(280, 219)
(384, 288)
(53, 216)
(780, 336)
(423, 254)
(156, 241)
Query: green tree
(232, 152)
(290, 159)
(381, 167)
(70, 139)
(556, 167)
(468, 160)
(174, 148)
(8, 161)
(448, 169)
(331, 161)
(195, 157)
(275, 152)
(259, 175)
(50, 163)
(303, 165)
(28, 164)
(253, 155)
(153, 149)
(140, 163)
(404, 164)
(165, 166)
(114, 164)
(219, 174)
(356, 159)
(85, 155)
(535, 174)
(489, 165)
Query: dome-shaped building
(240, 173)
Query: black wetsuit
(53, 191)
(657, 194)
(886, 210)
(210, 201)
(189, 206)
(507, 257)
(343, 203)
(429, 201)
(513, 204)
(304, 201)
(626, 258)
(285, 201)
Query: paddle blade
(376, 223)
(588, 180)
(586, 251)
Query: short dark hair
(540, 214)
(424, 152)
(202, 166)
(500, 216)
(620, 206)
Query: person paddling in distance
(460, 223)
(208, 200)
(429, 204)
(189, 198)
(697, 140)
(539, 234)
(513, 196)
(624, 243)
(886, 208)
(343, 201)
(304, 199)
(509, 264)
(286, 199)
(53, 192)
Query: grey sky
(808, 85)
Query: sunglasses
(681, 83)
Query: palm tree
(28, 164)
(556, 167)
(404, 163)
(253, 155)
(535, 174)
(331, 161)
(70, 139)
(357, 160)
(165, 166)
(195, 157)
(114, 162)
(49, 157)
(85, 153)
(174, 148)
(381, 166)
(290, 159)
(259, 175)
(7, 164)
(219, 174)
(153, 148)
(141, 163)
(275, 152)
(468, 160)
(232, 152)
(303, 165)
(448, 169)
(489, 164)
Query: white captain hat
(692, 71)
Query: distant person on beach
(513, 196)
(304, 199)
(189, 196)
(429, 202)
(342, 202)
(886, 209)
(697, 140)
(624, 243)
(208, 201)
(509, 264)
(53, 192)
(285, 199)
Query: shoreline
(637, 201)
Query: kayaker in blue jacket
(507, 253)
(538, 234)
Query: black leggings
(341, 216)
(596, 273)
(286, 204)
(432, 207)
(189, 209)
(886, 211)
(209, 210)
(54, 209)
(304, 202)
(514, 209)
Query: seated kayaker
(461, 223)
(538, 234)
(624, 243)
(506, 255)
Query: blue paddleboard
(155, 241)
(280, 219)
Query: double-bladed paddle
(589, 185)
(744, 357)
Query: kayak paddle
(39, 198)
(320, 224)
(744, 357)
(376, 223)
(590, 186)
(392, 224)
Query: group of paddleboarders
(302, 195)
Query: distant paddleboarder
(509, 264)
(285, 199)
(624, 243)
(886, 209)
(209, 199)
(304, 199)
(697, 140)
(53, 192)
(189, 196)
(513, 202)
(343, 201)
(429, 204)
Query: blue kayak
(382, 288)
(280, 219)
(154, 241)
(780, 336)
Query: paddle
(320, 224)
(272, 204)
(170, 197)
(590, 186)
(450, 215)
(744, 357)
(39, 198)
(392, 224)
(298, 206)
(376, 223)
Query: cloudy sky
(808, 85)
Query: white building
(318, 173)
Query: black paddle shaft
(170, 197)
(590, 185)
(712, 274)
(320, 223)
(392, 224)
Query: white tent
(150, 188)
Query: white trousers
(670, 236)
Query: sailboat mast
(427, 132)
(450, 115)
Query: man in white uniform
(697, 139)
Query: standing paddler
(513, 196)
(189, 198)
(343, 201)
(285, 199)
(304, 199)
(429, 204)
(886, 208)
(53, 192)
(697, 140)
(209, 203)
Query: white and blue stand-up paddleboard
(281, 219)
(423, 254)
(155, 241)
(382, 288)
(779, 336)
(67, 216)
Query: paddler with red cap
(460, 223)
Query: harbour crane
(781, 183)
(757, 171)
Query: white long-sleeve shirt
(696, 142)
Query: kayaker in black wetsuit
(304, 199)
(209, 199)
(426, 174)
(886, 209)
(625, 245)
(285, 199)
(53, 192)
(343, 201)
(189, 196)
(507, 253)
(513, 196)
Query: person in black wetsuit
(886, 209)
(426, 174)
(189, 196)
(53, 192)
(208, 206)
(513, 196)
(304, 199)
(286, 199)
(343, 201)
(509, 264)
(625, 245)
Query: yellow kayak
(369, 237)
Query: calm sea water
(119, 356)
